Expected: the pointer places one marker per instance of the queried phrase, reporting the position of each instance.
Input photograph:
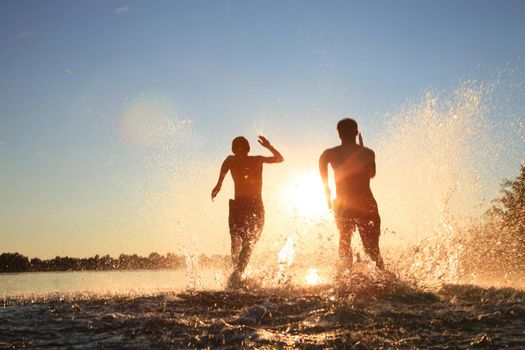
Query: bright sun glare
(304, 194)
(312, 278)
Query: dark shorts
(366, 220)
(246, 218)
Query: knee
(247, 244)
(236, 240)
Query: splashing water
(437, 162)
(285, 258)
(287, 253)
(440, 159)
(427, 160)
(192, 273)
(191, 262)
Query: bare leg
(235, 248)
(253, 232)
(345, 249)
(235, 279)
(346, 228)
(369, 230)
(245, 254)
(243, 257)
(235, 222)
(248, 225)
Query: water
(152, 308)
(99, 282)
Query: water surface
(155, 309)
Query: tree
(13, 262)
(509, 209)
(496, 247)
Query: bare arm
(276, 156)
(323, 170)
(372, 169)
(224, 170)
(372, 165)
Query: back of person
(353, 165)
(354, 207)
(246, 215)
(247, 176)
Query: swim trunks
(367, 222)
(246, 218)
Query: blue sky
(70, 70)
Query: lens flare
(149, 122)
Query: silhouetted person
(354, 206)
(246, 218)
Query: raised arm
(224, 170)
(276, 156)
(323, 170)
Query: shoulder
(229, 160)
(257, 159)
(367, 153)
(330, 151)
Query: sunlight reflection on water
(104, 282)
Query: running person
(354, 206)
(246, 217)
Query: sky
(116, 115)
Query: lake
(105, 282)
(162, 308)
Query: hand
(360, 139)
(264, 141)
(215, 191)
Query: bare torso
(353, 167)
(247, 176)
(247, 171)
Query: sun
(305, 196)
(312, 278)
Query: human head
(347, 129)
(240, 146)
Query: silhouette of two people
(246, 217)
(354, 207)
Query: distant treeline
(15, 262)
